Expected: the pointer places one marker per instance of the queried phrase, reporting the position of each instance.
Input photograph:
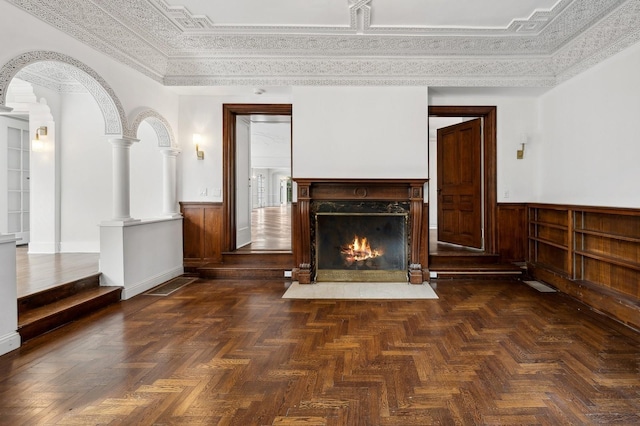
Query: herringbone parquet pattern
(235, 353)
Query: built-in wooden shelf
(592, 253)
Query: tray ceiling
(489, 43)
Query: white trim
(9, 342)
(42, 247)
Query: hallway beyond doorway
(270, 229)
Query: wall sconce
(37, 144)
(526, 139)
(197, 140)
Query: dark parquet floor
(235, 353)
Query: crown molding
(175, 47)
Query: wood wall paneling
(512, 232)
(202, 232)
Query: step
(247, 265)
(241, 272)
(49, 309)
(463, 259)
(50, 295)
(282, 259)
(479, 271)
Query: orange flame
(360, 250)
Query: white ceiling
(282, 43)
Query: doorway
(242, 183)
(15, 142)
(484, 167)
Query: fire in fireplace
(361, 246)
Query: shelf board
(614, 261)
(549, 243)
(607, 235)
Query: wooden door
(243, 182)
(460, 184)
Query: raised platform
(49, 309)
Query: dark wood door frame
(229, 116)
(488, 113)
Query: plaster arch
(112, 111)
(159, 124)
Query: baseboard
(45, 248)
(131, 290)
(9, 342)
(80, 247)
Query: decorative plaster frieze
(52, 76)
(364, 67)
(108, 102)
(159, 124)
(92, 25)
(173, 46)
(614, 33)
(370, 81)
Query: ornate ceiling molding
(176, 47)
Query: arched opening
(69, 188)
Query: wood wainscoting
(590, 253)
(202, 233)
(512, 232)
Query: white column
(169, 183)
(122, 178)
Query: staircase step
(49, 309)
(282, 259)
(488, 271)
(51, 295)
(241, 272)
(463, 259)
(247, 265)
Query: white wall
(146, 174)
(360, 132)
(517, 116)
(203, 115)
(590, 143)
(85, 167)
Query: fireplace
(360, 230)
(360, 246)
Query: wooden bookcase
(607, 250)
(549, 242)
(591, 253)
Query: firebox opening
(361, 247)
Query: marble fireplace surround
(381, 190)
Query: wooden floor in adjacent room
(270, 229)
(224, 352)
(37, 272)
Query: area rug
(359, 291)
